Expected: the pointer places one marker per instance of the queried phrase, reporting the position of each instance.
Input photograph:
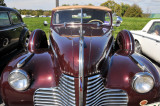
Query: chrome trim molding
(81, 67)
(109, 48)
(32, 40)
(25, 60)
(53, 48)
(97, 94)
(63, 95)
(105, 55)
(130, 40)
(140, 63)
(11, 27)
(81, 15)
(147, 37)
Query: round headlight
(143, 82)
(19, 79)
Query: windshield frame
(81, 10)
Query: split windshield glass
(88, 16)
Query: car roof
(85, 7)
(155, 20)
(3, 8)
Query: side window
(154, 27)
(15, 18)
(4, 19)
(107, 19)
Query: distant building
(154, 16)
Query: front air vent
(63, 95)
(98, 95)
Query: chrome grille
(63, 95)
(97, 94)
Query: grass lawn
(131, 24)
(128, 23)
(37, 23)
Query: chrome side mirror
(117, 20)
(45, 23)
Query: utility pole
(57, 3)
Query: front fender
(43, 73)
(122, 69)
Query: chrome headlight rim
(21, 71)
(137, 75)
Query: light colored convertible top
(79, 7)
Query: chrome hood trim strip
(81, 67)
(140, 64)
(25, 60)
(53, 48)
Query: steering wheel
(96, 20)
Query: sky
(148, 6)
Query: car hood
(66, 42)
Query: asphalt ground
(16, 52)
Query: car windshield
(88, 16)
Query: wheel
(138, 48)
(24, 44)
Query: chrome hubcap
(137, 47)
(27, 42)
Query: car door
(157, 51)
(152, 43)
(17, 24)
(5, 33)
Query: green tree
(124, 8)
(75, 4)
(24, 12)
(46, 13)
(116, 8)
(90, 4)
(2, 3)
(134, 11)
(110, 4)
(40, 12)
(65, 5)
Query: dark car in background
(82, 66)
(13, 32)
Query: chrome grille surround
(63, 95)
(97, 94)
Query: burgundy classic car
(82, 65)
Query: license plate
(154, 104)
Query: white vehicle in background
(147, 40)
